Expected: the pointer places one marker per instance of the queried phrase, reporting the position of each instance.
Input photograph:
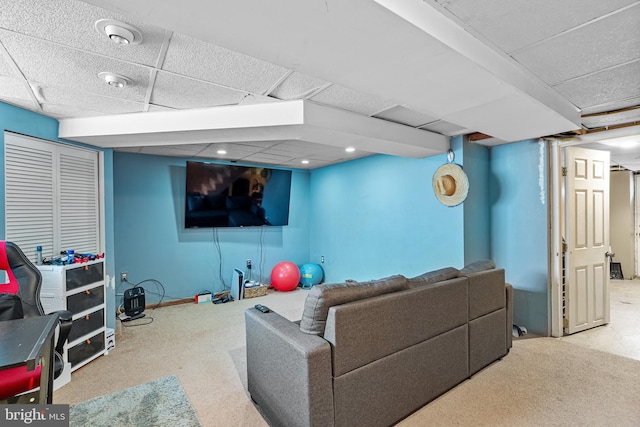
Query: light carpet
(157, 403)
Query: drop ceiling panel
(195, 58)
(405, 116)
(612, 106)
(296, 86)
(234, 151)
(12, 88)
(37, 19)
(182, 93)
(94, 104)
(351, 100)
(299, 147)
(188, 150)
(613, 119)
(575, 53)
(443, 127)
(5, 68)
(52, 64)
(269, 158)
(514, 24)
(596, 89)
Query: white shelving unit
(79, 288)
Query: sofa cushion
(433, 277)
(322, 297)
(474, 267)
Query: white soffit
(286, 120)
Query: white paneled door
(587, 228)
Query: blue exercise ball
(310, 274)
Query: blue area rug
(157, 403)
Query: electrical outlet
(249, 264)
(124, 276)
(322, 259)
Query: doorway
(580, 238)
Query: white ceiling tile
(153, 107)
(267, 157)
(46, 63)
(613, 119)
(405, 116)
(442, 127)
(597, 89)
(579, 52)
(617, 105)
(96, 104)
(351, 100)
(22, 103)
(41, 19)
(180, 92)
(13, 88)
(514, 24)
(194, 58)
(234, 151)
(173, 150)
(297, 86)
(5, 68)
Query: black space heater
(134, 302)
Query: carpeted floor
(157, 403)
(543, 381)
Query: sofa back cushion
(363, 332)
(487, 292)
(322, 297)
(474, 267)
(433, 277)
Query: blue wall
(519, 228)
(378, 216)
(477, 212)
(28, 123)
(152, 243)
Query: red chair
(25, 281)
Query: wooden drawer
(84, 274)
(85, 300)
(86, 324)
(86, 349)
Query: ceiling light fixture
(114, 80)
(349, 149)
(305, 162)
(119, 32)
(222, 151)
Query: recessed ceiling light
(222, 151)
(349, 149)
(118, 32)
(114, 80)
(305, 162)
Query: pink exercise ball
(285, 276)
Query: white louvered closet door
(51, 196)
(79, 209)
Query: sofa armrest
(509, 296)
(288, 371)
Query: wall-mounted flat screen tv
(236, 196)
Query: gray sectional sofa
(371, 353)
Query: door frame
(557, 248)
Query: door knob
(609, 254)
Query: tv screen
(236, 196)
